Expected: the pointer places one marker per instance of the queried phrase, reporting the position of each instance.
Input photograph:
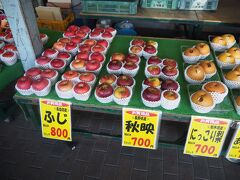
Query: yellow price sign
(234, 148)
(140, 128)
(56, 119)
(206, 136)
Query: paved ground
(24, 155)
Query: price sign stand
(233, 152)
(206, 136)
(140, 128)
(56, 119)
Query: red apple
(8, 30)
(154, 60)
(97, 56)
(170, 71)
(70, 46)
(138, 42)
(84, 47)
(150, 49)
(85, 29)
(152, 81)
(81, 88)
(81, 34)
(63, 55)
(103, 43)
(70, 75)
(122, 92)
(118, 57)
(151, 94)
(48, 73)
(104, 90)
(90, 42)
(9, 36)
(136, 49)
(154, 70)
(170, 95)
(42, 60)
(2, 51)
(42, 35)
(169, 84)
(106, 35)
(78, 63)
(95, 34)
(130, 65)
(114, 65)
(40, 84)
(170, 62)
(49, 52)
(76, 40)
(24, 83)
(65, 85)
(72, 28)
(99, 29)
(108, 78)
(57, 63)
(32, 72)
(92, 65)
(69, 33)
(98, 48)
(87, 77)
(132, 58)
(64, 40)
(2, 35)
(110, 29)
(59, 46)
(125, 80)
(8, 54)
(83, 55)
(10, 47)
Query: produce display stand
(170, 48)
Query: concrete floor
(25, 155)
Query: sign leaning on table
(56, 119)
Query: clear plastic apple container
(9, 58)
(42, 92)
(193, 81)
(130, 72)
(156, 102)
(172, 73)
(170, 99)
(119, 97)
(64, 88)
(152, 71)
(191, 59)
(106, 93)
(24, 86)
(138, 50)
(218, 97)
(84, 94)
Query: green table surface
(168, 48)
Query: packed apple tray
(83, 50)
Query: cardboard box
(60, 1)
(61, 5)
(49, 13)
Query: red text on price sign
(56, 119)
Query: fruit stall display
(97, 70)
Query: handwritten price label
(140, 128)
(206, 136)
(56, 119)
(234, 147)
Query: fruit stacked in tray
(88, 55)
(204, 85)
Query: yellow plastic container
(56, 25)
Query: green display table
(168, 48)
